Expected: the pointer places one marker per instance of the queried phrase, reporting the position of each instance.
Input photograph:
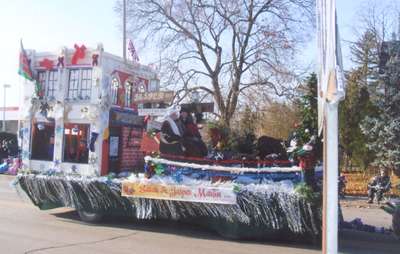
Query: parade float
(81, 135)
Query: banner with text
(153, 97)
(202, 194)
(152, 111)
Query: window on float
(86, 83)
(76, 143)
(73, 85)
(141, 85)
(48, 80)
(114, 91)
(80, 84)
(128, 93)
(42, 147)
(142, 88)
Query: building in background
(11, 118)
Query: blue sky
(46, 25)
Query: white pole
(19, 115)
(4, 109)
(5, 86)
(124, 30)
(331, 172)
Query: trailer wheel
(396, 221)
(90, 217)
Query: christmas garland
(263, 211)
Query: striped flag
(132, 51)
(26, 71)
(24, 65)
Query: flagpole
(331, 172)
(331, 89)
(19, 114)
(124, 30)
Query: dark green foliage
(306, 192)
(247, 122)
(308, 108)
(239, 139)
(245, 144)
(352, 111)
(361, 90)
(383, 129)
(243, 139)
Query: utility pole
(5, 86)
(124, 30)
(398, 29)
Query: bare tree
(378, 18)
(224, 47)
(376, 23)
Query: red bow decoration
(95, 59)
(79, 53)
(46, 63)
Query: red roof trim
(9, 109)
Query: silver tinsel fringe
(272, 212)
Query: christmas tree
(307, 129)
(352, 111)
(362, 82)
(383, 130)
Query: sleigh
(79, 152)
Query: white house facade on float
(79, 116)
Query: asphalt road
(26, 229)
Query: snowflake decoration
(73, 168)
(56, 162)
(92, 159)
